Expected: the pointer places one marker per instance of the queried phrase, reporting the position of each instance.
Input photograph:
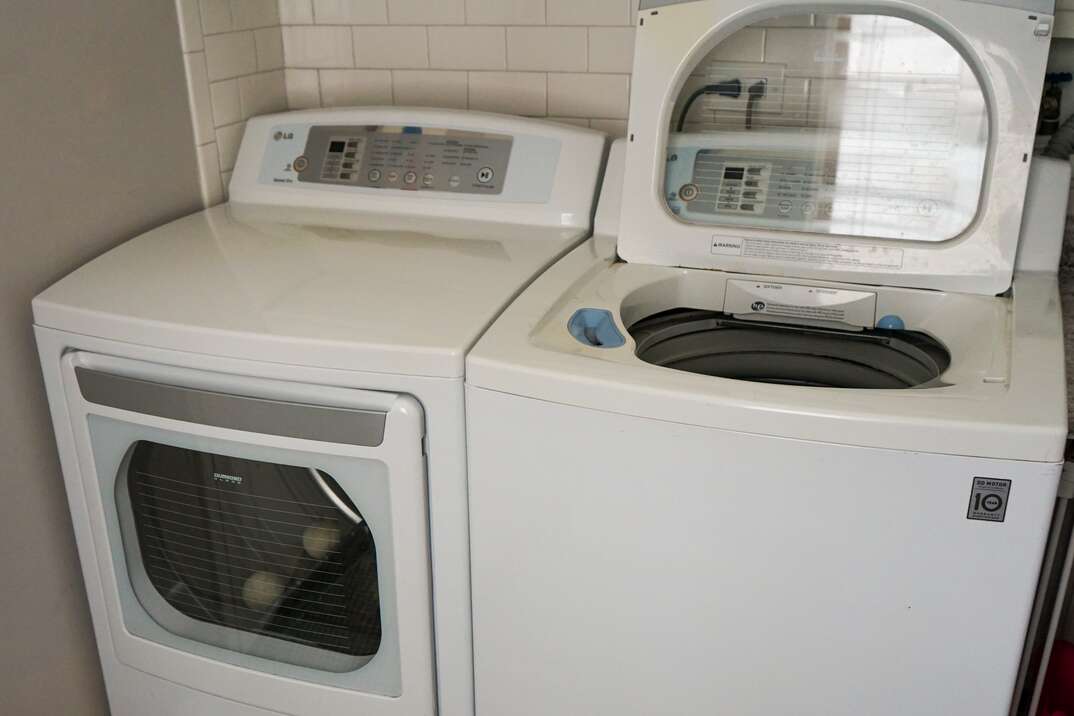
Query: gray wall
(96, 146)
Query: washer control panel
(404, 157)
(829, 185)
(777, 188)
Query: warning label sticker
(819, 253)
(988, 499)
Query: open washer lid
(881, 143)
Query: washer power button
(485, 175)
(300, 164)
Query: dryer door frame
(999, 43)
(399, 679)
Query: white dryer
(259, 410)
(785, 436)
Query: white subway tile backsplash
(198, 92)
(496, 55)
(467, 48)
(269, 44)
(296, 12)
(189, 25)
(212, 185)
(226, 107)
(509, 92)
(403, 47)
(250, 14)
(426, 12)
(305, 46)
(611, 49)
(303, 89)
(589, 95)
(228, 140)
(215, 16)
(345, 88)
(615, 128)
(590, 12)
(546, 49)
(430, 88)
(746, 45)
(505, 12)
(263, 93)
(804, 51)
(230, 55)
(575, 121)
(350, 12)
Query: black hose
(730, 88)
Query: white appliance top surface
(1004, 398)
(398, 297)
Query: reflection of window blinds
(891, 127)
(257, 548)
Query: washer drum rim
(716, 344)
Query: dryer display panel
(857, 125)
(403, 157)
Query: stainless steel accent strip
(347, 426)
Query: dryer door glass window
(856, 125)
(264, 559)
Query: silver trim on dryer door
(346, 426)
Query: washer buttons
(393, 176)
(410, 178)
(374, 175)
(485, 175)
(454, 182)
(428, 180)
(300, 164)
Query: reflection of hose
(756, 92)
(1061, 145)
(730, 88)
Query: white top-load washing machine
(259, 410)
(785, 436)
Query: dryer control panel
(405, 157)
(452, 162)
(368, 165)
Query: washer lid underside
(713, 343)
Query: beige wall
(97, 147)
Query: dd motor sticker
(988, 499)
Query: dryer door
(249, 530)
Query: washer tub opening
(719, 345)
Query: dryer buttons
(689, 192)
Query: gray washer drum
(713, 343)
